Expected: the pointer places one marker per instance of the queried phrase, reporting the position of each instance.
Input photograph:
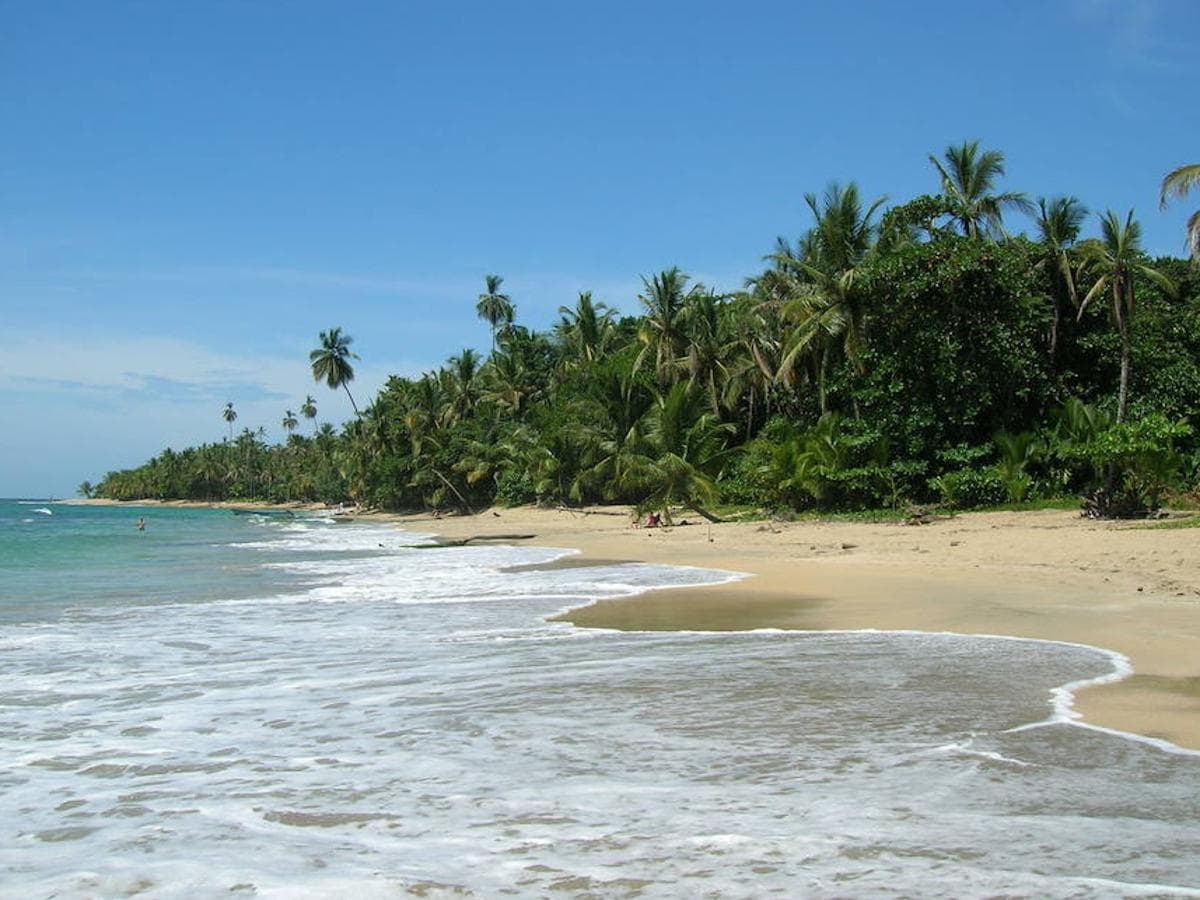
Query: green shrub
(1139, 463)
(513, 488)
(970, 488)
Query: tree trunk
(1054, 332)
(1123, 394)
(1123, 329)
(446, 482)
(822, 363)
(351, 396)
(704, 512)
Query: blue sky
(190, 192)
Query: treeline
(884, 358)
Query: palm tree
(587, 329)
(687, 451)
(1058, 223)
(495, 307)
(309, 410)
(510, 384)
(815, 284)
(331, 362)
(843, 233)
(708, 349)
(463, 382)
(1177, 183)
(968, 181)
(290, 421)
(661, 332)
(1114, 259)
(754, 349)
(230, 416)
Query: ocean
(262, 706)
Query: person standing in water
(141, 524)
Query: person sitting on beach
(653, 520)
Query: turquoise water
(57, 557)
(256, 706)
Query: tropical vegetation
(930, 351)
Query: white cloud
(87, 403)
(121, 364)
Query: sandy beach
(1046, 574)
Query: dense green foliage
(921, 355)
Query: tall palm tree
(968, 182)
(816, 284)
(331, 362)
(1115, 260)
(662, 336)
(1058, 223)
(510, 384)
(843, 232)
(290, 421)
(1177, 183)
(229, 414)
(587, 329)
(495, 307)
(463, 382)
(309, 410)
(754, 349)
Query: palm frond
(1178, 182)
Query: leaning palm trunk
(446, 481)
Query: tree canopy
(926, 352)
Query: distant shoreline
(195, 504)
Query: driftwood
(462, 542)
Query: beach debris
(918, 515)
(440, 542)
(849, 546)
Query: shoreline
(1045, 574)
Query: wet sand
(1045, 574)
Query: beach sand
(1046, 574)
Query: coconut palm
(331, 362)
(290, 421)
(463, 384)
(1177, 183)
(817, 284)
(1115, 261)
(587, 329)
(509, 383)
(229, 414)
(968, 181)
(708, 348)
(1058, 223)
(662, 335)
(309, 410)
(495, 307)
(688, 447)
(843, 232)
